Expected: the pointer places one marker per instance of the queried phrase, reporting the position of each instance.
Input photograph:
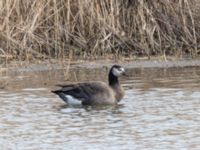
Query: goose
(94, 93)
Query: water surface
(161, 110)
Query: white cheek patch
(122, 70)
(116, 72)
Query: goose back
(89, 93)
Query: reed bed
(32, 29)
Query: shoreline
(135, 64)
(143, 64)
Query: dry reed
(32, 29)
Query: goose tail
(70, 100)
(56, 92)
(61, 95)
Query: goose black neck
(113, 80)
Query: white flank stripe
(72, 101)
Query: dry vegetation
(91, 28)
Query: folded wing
(82, 91)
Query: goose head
(115, 72)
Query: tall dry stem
(92, 28)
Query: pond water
(161, 110)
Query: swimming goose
(94, 93)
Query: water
(161, 110)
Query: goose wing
(83, 91)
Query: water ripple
(153, 115)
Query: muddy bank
(46, 66)
(143, 64)
(47, 75)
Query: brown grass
(32, 29)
